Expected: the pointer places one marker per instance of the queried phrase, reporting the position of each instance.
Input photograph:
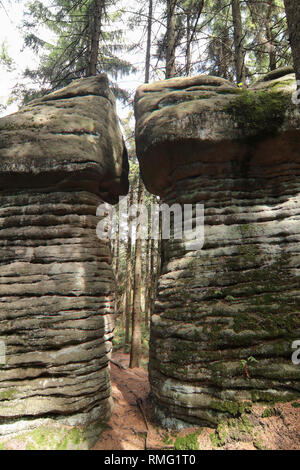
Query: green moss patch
(274, 323)
(188, 442)
(233, 408)
(260, 112)
(267, 397)
(233, 429)
(7, 395)
(56, 438)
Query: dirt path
(127, 428)
(271, 428)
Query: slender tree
(238, 41)
(135, 353)
(270, 44)
(96, 12)
(192, 11)
(148, 275)
(149, 37)
(292, 8)
(136, 337)
(171, 38)
(117, 264)
(128, 302)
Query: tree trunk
(191, 31)
(270, 38)
(156, 259)
(152, 271)
(149, 35)
(117, 255)
(129, 279)
(238, 41)
(171, 38)
(95, 37)
(188, 46)
(136, 338)
(148, 276)
(292, 8)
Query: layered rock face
(226, 315)
(60, 157)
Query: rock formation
(226, 315)
(60, 157)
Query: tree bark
(129, 279)
(95, 37)
(117, 256)
(147, 282)
(136, 337)
(238, 41)
(152, 273)
(149, 36)
(171, 39)
(270, 39)
(292, 8)
(188, 46)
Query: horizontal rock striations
(226, 315)
(60, 157)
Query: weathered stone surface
(59, 158)
(202, 140)
(69, 139)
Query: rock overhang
(69, 139)
(186, 122)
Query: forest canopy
(233, 39)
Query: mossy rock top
(182, 121)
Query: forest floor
(131, 427)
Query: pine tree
(219, 60)
(268, 46)
(85, 42)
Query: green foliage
(268, 412)
(119, 339)
(66, 56)
(265, 41)
(258, 444)
(167, 440)
(5, 60)
(229, 298)
(250, 360)
(265, 44)
(119, 336)
(296, 405)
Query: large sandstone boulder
(60, 157)
(226, 315)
